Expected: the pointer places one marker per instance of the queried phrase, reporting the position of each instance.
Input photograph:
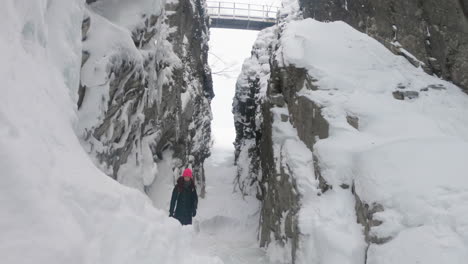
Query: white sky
(228, 50)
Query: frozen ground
(226, 222)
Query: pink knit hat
(187, 173)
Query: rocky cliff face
(145, 88)
(435, 32)
(265, 93)
(268, 110)
(251, 90)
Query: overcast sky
(228, 50)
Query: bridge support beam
(239, 24)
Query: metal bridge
(241, 16)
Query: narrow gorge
(351, 122)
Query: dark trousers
(184, 220)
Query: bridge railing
(241, 11)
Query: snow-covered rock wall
(145, 88)
(251, 88)
(435, 32)
(356, 154)
(56, 205)
(256, 153)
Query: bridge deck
(241, 16)
(240, 24)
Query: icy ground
(227, 223)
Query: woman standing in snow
(184, 199)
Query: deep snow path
(226, 224)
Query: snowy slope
(57, 207)
(405, 158)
